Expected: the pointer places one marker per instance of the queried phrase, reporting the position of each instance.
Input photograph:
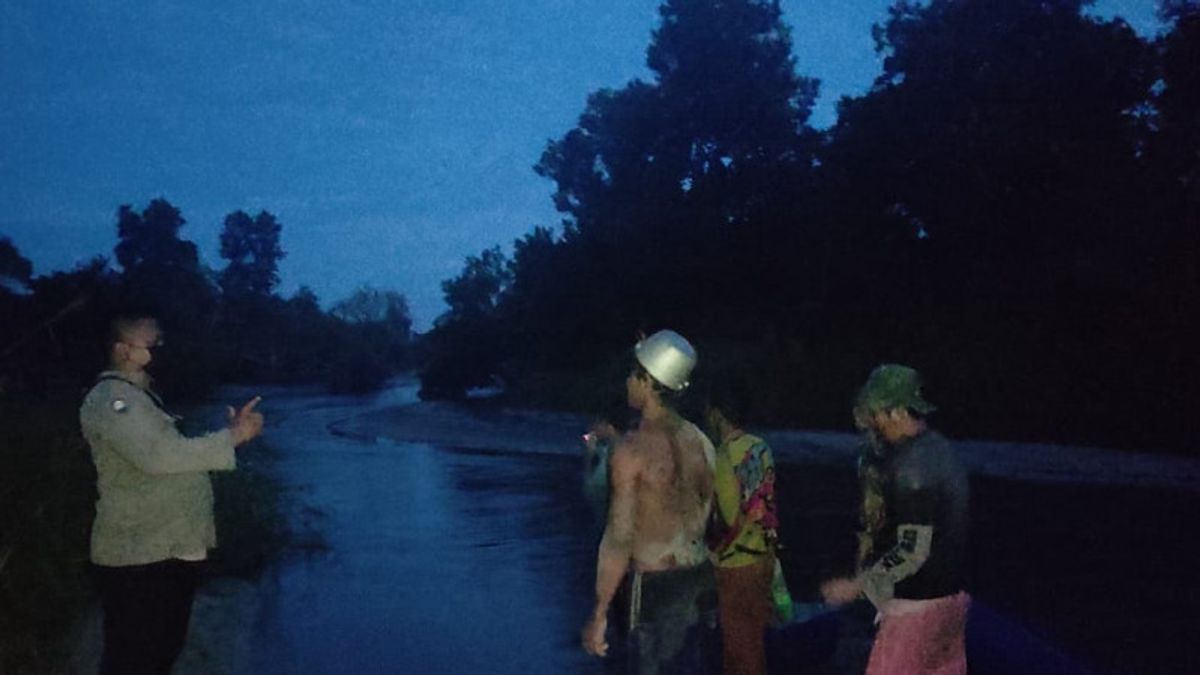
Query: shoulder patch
(119, 405)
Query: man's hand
(592, 636)
(604, 431)
(247, 423)
(841, 591)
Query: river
(458, 541)
(439, 559)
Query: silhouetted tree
(476, 292)
(1007, 208)
(15, 269)
(372, 305)
(375, 336)
(251, 245)
(68, 321)
(1174, 157)
(150, 240)
(991, 175)
(248, 308)
(665, 180)
(163, 273)
(468, 342)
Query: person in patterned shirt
(745, 526)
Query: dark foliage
(226, 326)
(251, 245)
(458, 359)
(1011, 208)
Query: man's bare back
(661, 487)
(662, 493)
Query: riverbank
(482, 425)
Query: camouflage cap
(893, 386)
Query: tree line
(1012, 208)
(223, 325)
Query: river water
(439, 560)
(475, 553)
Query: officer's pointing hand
(246, 423)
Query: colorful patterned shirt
(744, 480)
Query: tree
(15, 269)
(993, 174)
(162, 272)
(251, 245)
(728, 84)
(374, 336)
(1174, 155)
(1177, 101)
(475, 293)
(699, 168)
(150, 240)
(469, 340)
(369, 305)
(726, 102)
(70, 311)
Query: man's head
(727, 402)
(664, 362)
(132, 339)
(890, 404)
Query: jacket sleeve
(916, 501)
(142, 434)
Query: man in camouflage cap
(154, 517)
(915, 519)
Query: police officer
(154, 515)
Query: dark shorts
(674, 622)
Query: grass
(47, 491)
(248, 506)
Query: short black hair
(124, 320)
(732, 396)
(667, 395)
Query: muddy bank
(484, 426)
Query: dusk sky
(391, 139)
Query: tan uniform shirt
(155, 498)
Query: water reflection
(440, 560)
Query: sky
(390, 139)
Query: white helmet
(668, 357)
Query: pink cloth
(923, 637)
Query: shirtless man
(661, 496)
